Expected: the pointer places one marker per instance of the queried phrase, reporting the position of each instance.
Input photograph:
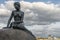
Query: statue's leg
(28, 31)
(21, 27)
(13, 24)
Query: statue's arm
(22, 16)
(9, 19)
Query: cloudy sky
(42, 17)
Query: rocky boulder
(15, 34)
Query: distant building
(42, 38)
(55, 38)
(49, 38)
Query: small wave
(2, 25)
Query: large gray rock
(15, 34)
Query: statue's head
(17, 5)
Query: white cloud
(4, 11)
(1, 25)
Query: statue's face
(17, 6)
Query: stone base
(15, 34)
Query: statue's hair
(16, 3)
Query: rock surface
(15, 34)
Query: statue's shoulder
(22, 12)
